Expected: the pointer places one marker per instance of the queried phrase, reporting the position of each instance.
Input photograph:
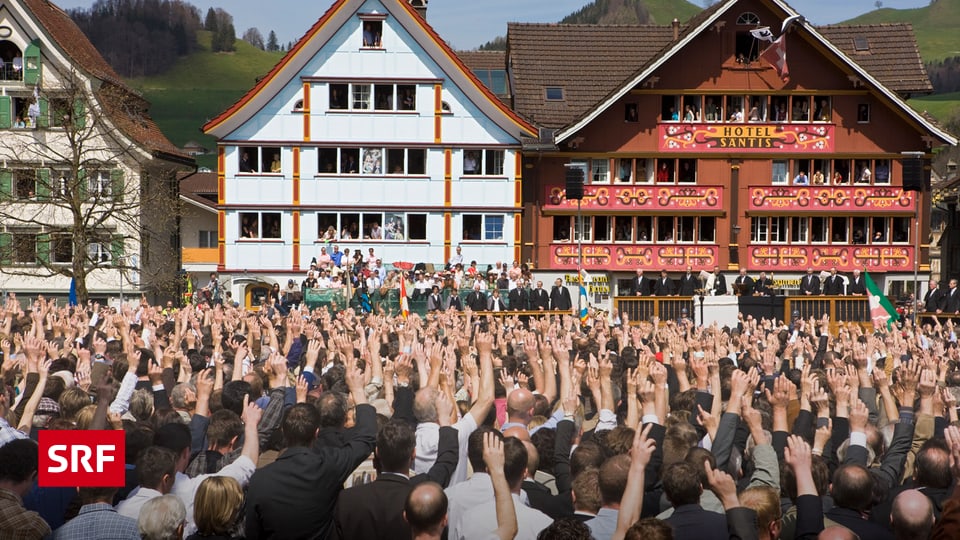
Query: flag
(582, 301)
(776, 55)
(73, 291)
(763, 34)
(882, 311)
(404, 304)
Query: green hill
(632, 12)
(201, 86)
(935, 25)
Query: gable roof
(574, 54)
(326, 26)
(587, 61)
(122, 106)
(892, 55)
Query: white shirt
(428, 439)
(185, 487)
(464, 498)
(482, 520)
(456, 259)
(130, 507)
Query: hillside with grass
(632, 12)
(201, 86)
(936, 26)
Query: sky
(467, 24)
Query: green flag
(882, 312)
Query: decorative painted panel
(652, 198)
(832, 199)
(746, 138)
(844, 258)
(612, 257)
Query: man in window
(470, 163)
(801, 179)
(245, 165)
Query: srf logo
(78, 458)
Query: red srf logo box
(80, 458)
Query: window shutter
(6, 183)
(116, 248)
(31, 63)
(44, 119)
(116, 184)
(43, 184)
(43, 248)
(6, 119)
(6, 248)
(82, 188)
(79, 114)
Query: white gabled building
(87, 180)
(370, 121)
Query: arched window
(748, 18)
(11, 56)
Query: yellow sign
(597, 285)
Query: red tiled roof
(484, 59)
(891, 56)
(124, 107)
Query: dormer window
(748, 47)
(371, 30)
(554, 93)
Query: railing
(201, 255)
(643, 308)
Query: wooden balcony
(200, 256)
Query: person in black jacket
(856, 286)
(764, 285)
(833, 285)
(375, 510)
(934, 301)
(810, 284)
(744, 283)
(664, 285)
(476, 300)
(519, 299)
(689, 283)
(295, 496)
(639, 285)
(952, 302)
(560, 297)
(539, 299)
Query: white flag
(763, 33)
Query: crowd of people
(323, 424)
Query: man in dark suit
(852, 496)
(435, 301)
(295, 496)
(952, 302)
(639, 285)
(719, 282)
(833, 285)
(375, 510)
(689, 283)
(935, 300)
(743, 283)
(857, 287)
(519, 299)
(664, 285)
(477, 300)
(539, 299)
(810, 284)
(682, 486)
(560, 297)
(764, 285)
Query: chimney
(420, 6)
(676, 29)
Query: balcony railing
(854, 199)
(201, 255)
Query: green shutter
(43, 248)
(116, 248)
(6, 248)
(6, 118)
(44, 189)
(44, 120)
(82, 187)
(31, 63)
(79, 114)
(116, 184)
(6, 183)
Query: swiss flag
(776, 55)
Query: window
(60, 110)
(602, 226)
(327, 160)
(819, 230)
(838, 227)
(758, 109)
(99, 184)
(553, 93)
(12, 68)
(799, 230)
(759, 230)
(712, 110)
(707, 232)
(25, 184)
(349, 161)
(630, 113)
(623, 229)
(671, 170)
(841, 171)
(881, 171)
(665, 229)
(778, 109)
(822, 111)
(624, 170)
(861, 230)
(771, 229)
(260, 159)
(778, 229)
(880, 228)
(445, 108)
(483, 162)
(372, 161)
(561, 228)
(692, 108)
(207, 239)
(417, 226)
(901, 229)
(99, 252)
(748, 48)
(862, 173)
(781, 173)
(24, 247)
(482, 227)
(670, 109)
(494, 79)
(372, 34)
(644, 228)
(386, 227)
(61, 249)
(863, 113)
(582, 229)
(376, 97)
(687, 172)
(665, 170)
(260, 225)
(800, 111)
(685, 228)
(861, 43)
(600, 171)
(734, 109)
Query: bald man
(837, 532)
(426, 511)
(520, 404)
(911, 516)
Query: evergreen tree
(228, 38)
(210, 23)
(272, 44)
